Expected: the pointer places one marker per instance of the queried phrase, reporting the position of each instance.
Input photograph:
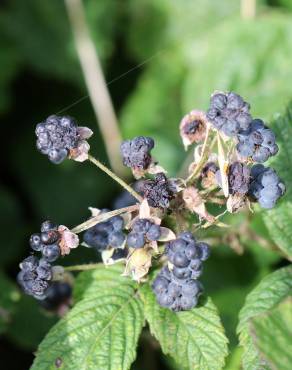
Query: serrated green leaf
(279, 219)
(271, 290)
(102, 329)
(195, 339)
(272, 333)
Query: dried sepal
(144, 209)
(94, 211)
(193, 127)
(80, 153)
(223, 166)
(84, 132)
(68, 240)
(58, 273)
(109, 258)
(236, 202)
(195, 204)
(166, 235)
(155, 168)
(138, 263)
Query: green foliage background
(190, 48)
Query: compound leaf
(279, 218)
(102, 329)
(195, 339)
(267, 295)
(277, 348)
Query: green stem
(102, 217)
(85, 267)
(115, 177)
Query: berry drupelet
(265, 187)
(136, 152)
(257, 143)
(47, 241)
(143, 231)
(229, 113)
(106, 234)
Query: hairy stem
(96, 84)
(102, 217)
(115, 177)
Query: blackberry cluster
(158, 192)
(35, 276)
(265, 187)
(143, 231)
(257, 143)
(106, 234)
(229, 113)
(136, 152)
(178, 288)
(57, 294)
(47, 241)
(56, 136)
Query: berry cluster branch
(96, 84)
(83, 267)
(229, 174)
(102, 218)
(115, 177)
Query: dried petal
(84, 132)
(193, 127)
(138, 263)
(80, 154)
(68, 240)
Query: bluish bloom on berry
(136, 152)
(35, 277)
(106, 234)
(229, 113)
(177, 288)
(58, 137)
(265, 187)
(257, 143)
(158, 192)
(143, 231)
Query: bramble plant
(152, 243)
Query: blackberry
(143, 230)
(193, 127)
(35, 277)
(47, 241)
(105, 234)
(57, 294)
(177, 288)
(51, 252)
(158, 192)
(135, 240)
(229, 113)
(177, 296)
(238, 178)
(257, 143)
(265, 186)
(56, 136)
(136, 152)
(36, 242)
